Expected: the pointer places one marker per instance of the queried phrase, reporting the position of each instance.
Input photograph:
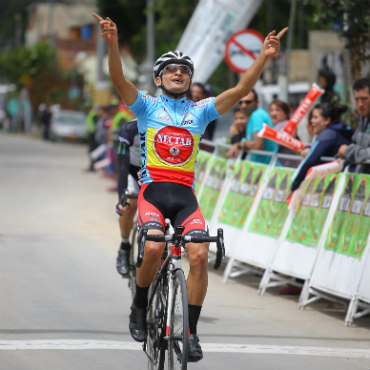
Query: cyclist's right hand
(108, 29)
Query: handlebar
(178, 239)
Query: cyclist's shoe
(195, 350)
(138, 323)
(122, 263)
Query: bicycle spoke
(179, 323)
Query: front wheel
(156, 324)
(178, 340)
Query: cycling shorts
(177, 202)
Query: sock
(125, 239)
(141, 297)
(194, 313)
(125, 244)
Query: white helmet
(171, 57)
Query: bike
(167, 313)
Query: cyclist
(128, 156)
(170, 129)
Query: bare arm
(271, 46)
(256, 143)
(126, 89)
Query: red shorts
(161, 200)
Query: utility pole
(285, 65)
(146, 68)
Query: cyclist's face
(362, 99)
(176, 80)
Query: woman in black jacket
(330, 133)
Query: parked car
(68, 124)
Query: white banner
(364, 287)
(208, 30)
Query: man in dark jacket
(359, 150)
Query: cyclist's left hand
(271, 45)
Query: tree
(130, 17)
(352, 20)
(36, 68)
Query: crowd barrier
(323, 242)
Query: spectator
(331, 134)
(198, 91)
(237, 128)
(90, 124)
(101, 133)
(279, 113)
(45, 120)
(326, 81)
(257, 116)
(359, 150)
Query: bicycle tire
(178, 339)
(156, 323)
(132, 262)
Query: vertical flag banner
(244, 185)
(273, 209)
(349, 231)
(212, 187)
(308, 223)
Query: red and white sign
(242, 49)
(174, 145)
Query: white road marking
(81, 344)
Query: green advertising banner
(203, 160)
(273, 208)
(212, 187)
(244, 185)
(309, 220)
(349, 231)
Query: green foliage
(36, 68)
(352, 20)
(12, 15)
(130, 19)
(26, 63)
(171, 18)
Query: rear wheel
(178, 342)
(156, 325)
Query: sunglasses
(172, 68)
(245, 102)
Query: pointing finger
(282, 32)
(98, 17)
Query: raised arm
(271, 46)
(126, 89)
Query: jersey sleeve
(140, 105)
(207, 110)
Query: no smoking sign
(242, 49)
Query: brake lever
(141, 239)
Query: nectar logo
(174, 145)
